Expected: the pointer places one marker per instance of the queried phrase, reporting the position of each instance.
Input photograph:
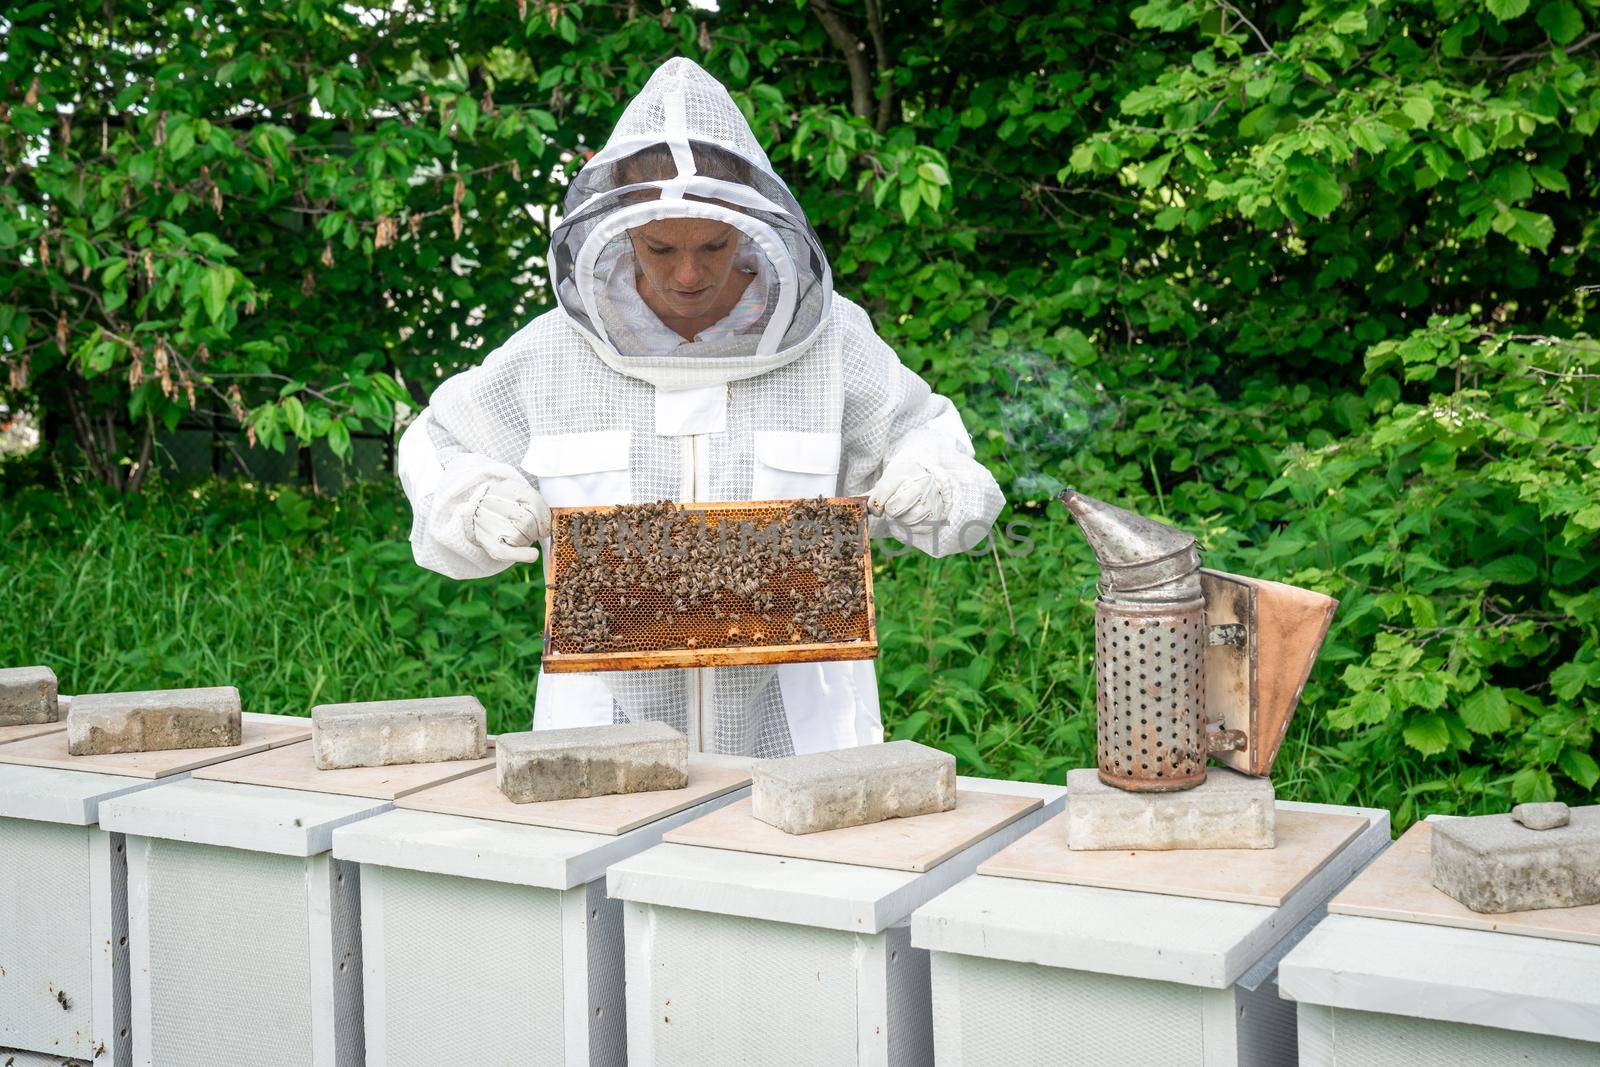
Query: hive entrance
(640, 586)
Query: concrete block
(590, 761)
(1227, 810)
(383, 733)
(155, 720)
(27, 696)
(1542, 816)
(852, 786)
(1493, 864)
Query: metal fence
(220, 448)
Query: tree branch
(1241, 17)
(881, 54)
(855, 57)
(140, 469)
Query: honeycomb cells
(665, 576)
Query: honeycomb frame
(653, 644)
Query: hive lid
(477, 796)
(44, 794)
(1306, 842)
(294, 766)
(286, 822)
(809, 892)
(494, 851)
(27, 730)
(1399, 885)
(257, 733)
(918, 843)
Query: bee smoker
(1190, 663)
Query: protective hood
(682, 149)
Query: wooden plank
(27, 730)
(301, 724)
(1399, 885)
(477, 796)
(1266, 876)
(556, 662)
(916, 844)
(294, 767)
(678, 658)
(258, 733)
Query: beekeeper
(697, 352)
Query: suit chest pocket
(581, 469)
(790, 464)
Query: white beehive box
(1032, 972)
(63, 888)
(246, 933)
(1400, 975)
(65, 946)
(742, 957)
(486, 941)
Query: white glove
(507, 518)
(909, 492)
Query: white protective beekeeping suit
(797, 397)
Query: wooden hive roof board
(1399, 885)
(917, 844)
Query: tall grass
(297, 603)
(300, 601)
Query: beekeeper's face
(687, 262)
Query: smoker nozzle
(1141, 561)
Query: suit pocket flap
(806, 453)
(563, 454)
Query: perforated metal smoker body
(245, 932)
(734, 957)
(1031, 973)
(63, 885)
(488, 942)
(1150, 694)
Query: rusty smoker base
(1147, 785)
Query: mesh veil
(683, 149)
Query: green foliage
(1458, 530)
(1332, 299)
(299, 215)
(1308, 279)
(296, 600)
